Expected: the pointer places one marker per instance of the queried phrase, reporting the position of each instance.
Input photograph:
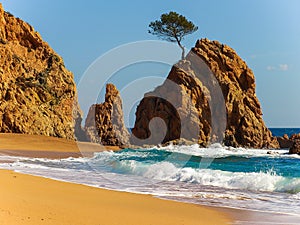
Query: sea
(238, 178)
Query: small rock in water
(295, 149)
(285, 142)
(273, 153)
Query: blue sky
(265, 33)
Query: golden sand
(34, 200)
(47, 147)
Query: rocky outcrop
(292, 143)
(285, 141)
(37, 93)
(105, 122)
(171, 111)
(189, 105)
(295, 148)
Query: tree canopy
(172, 27)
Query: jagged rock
(295, 149)
(188, 101)
(37, 93)
(295, 136)
(180, 141)
(273, 153)
(105, 122)
(285, 143)
(288, 142)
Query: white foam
(233, 180)
(161, 171)
(219, 151)
(295, 196)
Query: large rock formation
(209, 97)
(37, 92)
(105, 122)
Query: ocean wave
(172, 171)
(234, 179)
(232, 168)
(261, 181)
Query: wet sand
(27, 199)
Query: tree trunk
(183, 51)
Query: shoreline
(255, 217)
(228, 215)
(48, 147)
(64, 149)
(28, 199)
(236, 216)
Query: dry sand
(26, 199)
(47, 147)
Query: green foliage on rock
(172, 27)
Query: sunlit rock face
(190, 108)
(37, 93)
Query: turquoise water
(283, 166)
(217, 176)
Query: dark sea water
(281, 131)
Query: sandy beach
(27, 199)
(47, 147)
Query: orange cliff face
(37, 93)
(188, 102)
